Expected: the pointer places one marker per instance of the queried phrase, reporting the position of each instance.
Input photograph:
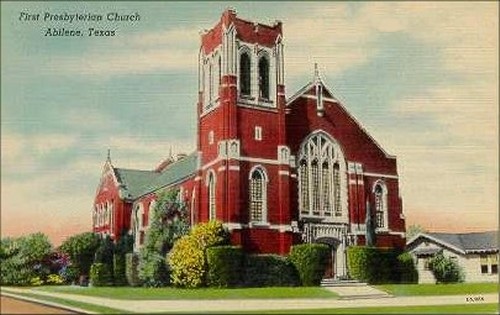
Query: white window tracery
(258, 195)
(321, 177)
(381, 209)
(212, 210)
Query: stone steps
(341, 283)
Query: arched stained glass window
(211, 196)
(380, 196)
(258, 196)
(320, 177)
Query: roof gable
(310, 91)
(461, 242)
(137, 183)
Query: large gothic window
(320, 177)
(263, 78)
(245, 74)
(380, 196)
(258, 196)
(211, 196)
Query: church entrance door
(333, 244)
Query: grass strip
(489, 308)
(439, 289)
(85, 306)
(129, 293)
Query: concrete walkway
(358, 292)
(151, 306)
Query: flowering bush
(36, 281)
(54, 279)
(187, 259)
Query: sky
(422, 78)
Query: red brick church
(276, 170)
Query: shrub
(69, 273)
(105, 251)
(269, 271)
(406, 268)
(81, 249)
(187, 258)
(54, 279)
(131, 269)
(153, 270)
(24, 259)
(168, 223)
(123, 246)
(445, 270)
(119, 276)
(224, 266)
(310, 260)
(372, 264)
(100, 275)
(36, 281)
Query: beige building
(475, 253)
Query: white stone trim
(234, 167)
(197, 178)
(284, 173)
(381, 175)
(221, 169)
(259, 160)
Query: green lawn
(439, 289)
(128, 293)
(491, 308)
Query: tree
(81, 248)
(168, 222)
(24, 258)
(413, 230)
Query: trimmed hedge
(269, 271)
(224, 266)
(131, 269)
(372, 264)
(310, 260)
(100, 275)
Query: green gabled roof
(137, 183)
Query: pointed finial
(108, 159)
(316, 72)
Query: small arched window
(380, 196)
(258, 196)
(245, 74)
(263, 78)
(211, 196)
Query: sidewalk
(150, 306)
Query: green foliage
(445, 270)
(413, 230)
(406, 268)
(119, 275)
(23, 259)
(168, 222)
(54, 279)
(372, 264)
(310, 260)
(131, 269)
(224, 266)
(81, 249)
(105, 251)
(153, 270)
(123, 246)
(101, 275)
(269, 271)
(187, 258)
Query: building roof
(137, 183)
(462, 242)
